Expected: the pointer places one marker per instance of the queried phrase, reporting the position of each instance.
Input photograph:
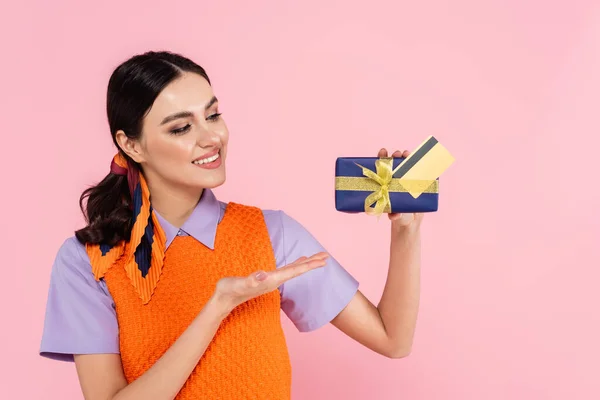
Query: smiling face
(184, 139)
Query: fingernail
(261, 276)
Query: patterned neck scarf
(145, 251)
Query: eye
(214, 117)
(179, 131)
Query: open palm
(234, 290)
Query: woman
(171, 293)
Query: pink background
(510, 261)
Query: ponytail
(107, 212)
(118, 226)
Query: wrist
(220, 306)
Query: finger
(397, 153)
(291, 271)
(319, 255)
(382, 153)
(300, 259)
(403, 218)
(405, 153)
(394, 216)
(261, 277)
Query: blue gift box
(352, 188)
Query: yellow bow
(381, 197)
(381, 183)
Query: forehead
(190, 92)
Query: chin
(210, 183)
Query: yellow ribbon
(382, 183)
(383, 177)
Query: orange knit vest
(248, 357)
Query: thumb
(261, 276)
(256, 278)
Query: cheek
(171, 149)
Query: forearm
(400, 300)
(168, 375)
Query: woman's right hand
(230, 292)
(166, 377)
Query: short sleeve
(80, 315)
(313, 299)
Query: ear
(129, 146)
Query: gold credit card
(425, 164)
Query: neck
(173, 204)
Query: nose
(207, 137)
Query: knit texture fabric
(248, 357)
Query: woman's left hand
(388, 327)
(402, 220)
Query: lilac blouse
(80, 312)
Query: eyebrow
(187, 114)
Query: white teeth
(207, 160)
